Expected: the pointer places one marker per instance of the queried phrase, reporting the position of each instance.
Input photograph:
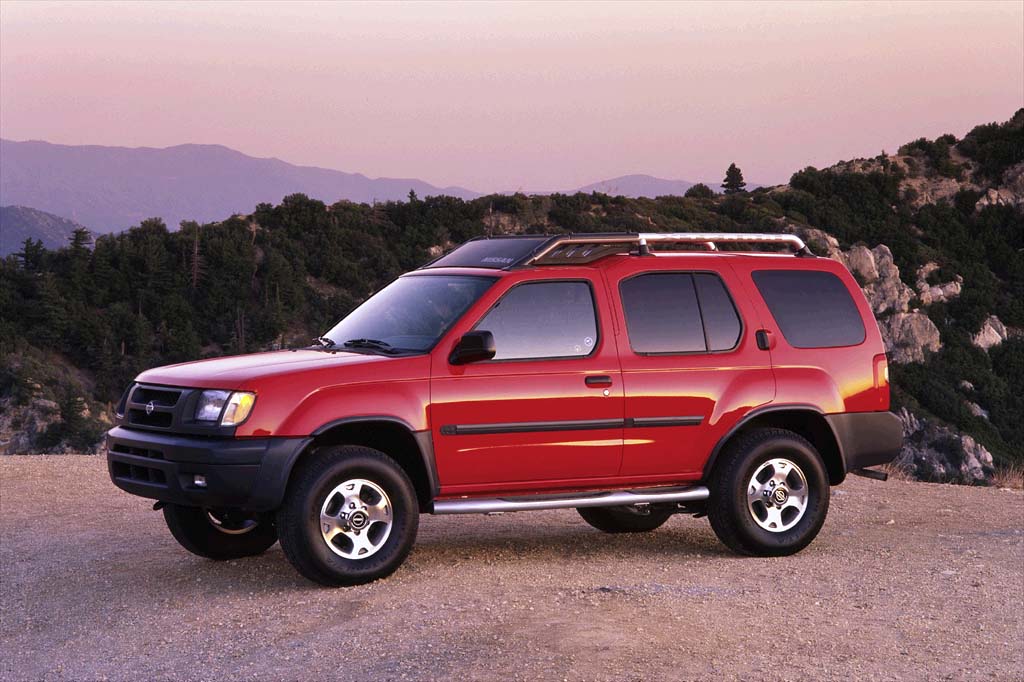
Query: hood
(238, 372)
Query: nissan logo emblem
(150, 406)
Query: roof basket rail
(586, 248)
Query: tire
(629, 519)
(772, 524)
(359, 497)
(220, 534)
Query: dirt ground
(907, 581)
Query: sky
(519, 96)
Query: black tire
(298, 519)
(733, 520)
(220, 534)
(625, 519)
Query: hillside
(647, 186)
(18, 223)
(934, 234)
(108, 189)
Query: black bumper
(866, 438)
(248, 473)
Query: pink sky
(513, 96)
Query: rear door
(690, 364)
(547, 412)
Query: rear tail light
(881, 372)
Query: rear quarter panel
(831, 379)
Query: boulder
(908, 335)
(936, 293)
(939, 453)
(993, 332)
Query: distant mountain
(18, 223)
(635, 186)
(111, 188)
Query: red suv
(596, 372)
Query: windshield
(411, 313)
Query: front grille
(139, 474)
(161, 420)
(160, 397)
(154, 407)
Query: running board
(601, 499)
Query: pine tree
(733, 182)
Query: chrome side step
(600, 499)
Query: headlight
(238, 409)
(234, 406)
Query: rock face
(1010, 193)
(938, 453)
(936, 293)
(908, 335)
(993, 332)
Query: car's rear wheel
(769, 493)
(220, 534)
(350, 516)
(627, 519)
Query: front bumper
(867, 438)
(247, 473)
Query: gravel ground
(906, 581)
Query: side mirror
(473, 347)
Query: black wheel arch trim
(862, 438)
(423, 439)
(709, 466)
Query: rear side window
(672, 312)
(543, 320)
(813, 309)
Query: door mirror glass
(473, 347)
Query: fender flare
(423, 439)
(761, 411)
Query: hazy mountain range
(108, 189)
(18, 223)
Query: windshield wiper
(373, 344)
(324, 342)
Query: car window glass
(543, 320)
(662, 314)
(721, 323)
(812, 309)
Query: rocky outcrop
(908, 335)
(1009, 193)
(936, 293)
(932, 452)
(992, 333)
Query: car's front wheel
(770, 493)
(220, 534)
(350, 516)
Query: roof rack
(586, 248)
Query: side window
(813, 309)
(721, 322)
(672, 312)
(662, 315)
(543, 320)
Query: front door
(547, 411)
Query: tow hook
(158, 505)
(871, 473)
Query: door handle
(598, 380)
(763, 338)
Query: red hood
(240, 371)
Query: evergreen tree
(733, 182)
